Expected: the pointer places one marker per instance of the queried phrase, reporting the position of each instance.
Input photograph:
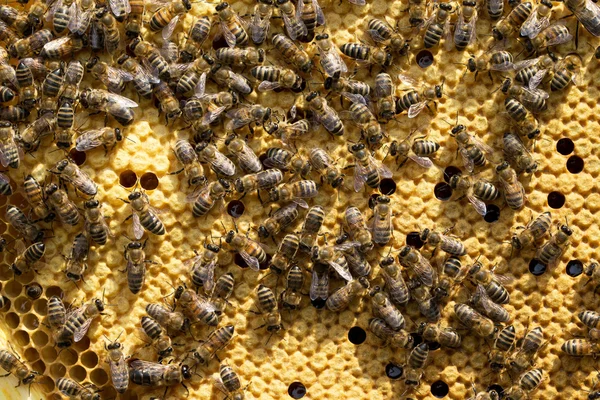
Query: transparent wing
(289, 26)
(424, 271)
(300, 202)
(80, 333)
(228, 35)
(478, 204)
(505, 66)
(376, 36)
(358, 2)
(319, 11)
(481, 145)
(209, 283)
(55, 44)
(360, 177)
(472, 26)
(316, 283)
(120, 7)
(346, 246)
(4, 179)
(212, 115)
(407, 80)
(384, 171)
(200, 86)
(151, 367)
(535, 81)
(267, 85)
(3, 158)
(533, 25)
(531, 94)
(121, 101)
(168, 30)
(526, 63)
(251, 261)
(415, 109)
(561, 39)
(117, 368)
(138, 229)
(422, 161)
(341, 271)
(588, 16)
(355, 98)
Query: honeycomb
(314, 348)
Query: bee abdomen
(152, 224)
(424, 148)
(433, 35)
(486, 191)
(135, 278)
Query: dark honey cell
(565, 146)
(439, 389)
(128, 178)
(536, 267)
(372, 200)
(442, 191)
(393, 371)
(424, 58)
(387, 186)
(450, 171)
(149, 181)
(297, 390)
(219, 42)
(414, 239)
(318, 303)
(556, 200)
(574, 268)
(499, 389)
(357, 335)
(417, 339)
(575, 164)
(492, 213)
(433, 346)
(78, 157)
(236, 208)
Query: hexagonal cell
(82, 345)
(39, 366)
(25, 277)
(40, 339)
(31, 321)
(57, 371)
(31, 354)
(21, 337)
(78, 373)
(22, 305)
(99, 377)
(5, 272)
(13, 289)
(89, 359)
(49, 354)
(5, 303)
(68, 357)
(111, 393)
(12, 320)
(40, 306)
(46, 383)
(54, 291)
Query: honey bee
(57, 313)
(76, 263)
(495, 9)
(394, 282)
(324, 114)
(28, 258)
(133, 24)
(30, 45)
(62, 47)
(160, 340)
(565, 72)
(5, 187)
(65, 116)
(319, 284)
(489, 395)
(250, 251)
(280, 219)
(165, 16)
(587, 13)
(533, 232)
(581, 347)
(198, 33)
(70, 172)
(592, 271)
(485, 305)
(491, 282)
(291, 297)
(322, 163)
(367, 169)
(383, 307)
(146, 373)
(537, 20)
(75, 390)
(413, 260)
(384, 93)
(146, 52)
(135, 256)
(448, 244)
(472, 150)
(310, 228)
(438, 26)
(421, 149)
(415, 365)
(295, 192)
(247, 159)
(101, 100)
(341, 298)
(79, 321)
(172, 321)
(415, 101)
(267, 305)
(118, 368)
(168, 103)
(225, 77)
(514, 193)
(105, 137)
(11, 363)
(96, 36)
(144, 215)
(516, 152)
(37, 11)
(142, 79)
(513, 22)
(464, 30)
(382, 227)
(24, 227)
(428, 306)
(58, 200)
(219, 163)
(334, 257)
(293, 54)
(113, 78)
(370, 129)
(28, 95)
(249, 57)
(503, 343)
(452, 274)
(480, 325)
(526, 124)
(551, 36)
(311, 15)
(62, 13)
(222, 291)
(497, 61)
(331, 61)
(30, 138)
(262, 180)
(261, 21)
(232, 26)
(195, 307)
(110, 26)
(528, 382)
(294, 26)
(247, 115)
(217, 340)
(14, 114)
(203, 267)
(399, 338)
(447, 337)
(591, 319)
(272, 78)
(34, 290)
(186, 154)
(524, 357)
(343, 86)
(551, 251)
(366, 54)
(229, 383)
(383, 33)
(16, 19)
(69, 90)
(10, 153)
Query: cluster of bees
(119, 38)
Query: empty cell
(13, 289)
(149, 181)
(46, 384)
(26, 277)
(39, 366)
(68, 357)
(40, 306)
(21, 337)
(31, 354)
(82, 345)
(49, 354)
(89, 359)
(12, 320)
(77, 373)
(54, 291)
(57, 371)
(5, 272)
(40, 339)
(22, 305)
(99, 377)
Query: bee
(428, 306)
(262, 180)
(63, 47)
(267, 305)
(528, 382)
(586, 13)
(311, 15)
(142, 80)
(310, 228)
(526, 124)
(447, 337)
(197, 35)
(37, 11)
(146, 373)
(172, 321)
(514, 193)
(513, 22)
(232, 27)
(566, 71)
(57, 313)
(322, 162)
(452, 274)
(324, 114)
(222, 291)
(110, 28)
(62, 15)
(118, 368)
(186, 154)
(364, 118)
(229, 383)
(203, 267)
(24, 227)
(480, 325)
(74, 390)
(334, 257)
(497, 61)
(261, 21)
(16, 19)
(101, 100)
(96, 35)
(10, 153)
(249, 57)
(105, 137)
(294, 25)
(516, 152)
(195, 307)
(580, 347)
(592, 271)
(113, 78)
(472, 150)
(250, 251)
(29, 139)
(382, 33)
(319, 284)
(225, 77)
(70, 172)
(591, 319)
(413, 260)
(551, 251)
(464, 30)
(81, 20)
(7, 35)
(79, 321)
(495, 9)
(65, 116)
(160, 340)
(194, 77)
(135, 256)
(171, 12)
(28, 95)
(295, 192)
(247, 159)
(58, 200)
(491, 282)
(384, 93)
(280, 219)
(217, 340)
(27, 258)
(537, 20)
(421, 149)
(439, 27)
(415, 101)
(34, 290)
(291, 297)
(551, 36)
(144, 215)
(357, 263)
(366, 54)
(524, 357)
(289, 133)
(343, 85)
(167, 101)
(53, 83)
(331, 61)
(394, 338)
(485, 305)
(69, 90)
(247, 115)
(394, 282)
(503, 343)
(285, 254)
(13, 114)
(272, 78)
(219, 163)
(383, 307)
(381, 227)
(415, 363)
(367, 169)
(30, 45)
(448, 244)
(148, 53)
(293, 54)
(341, 298)
(76, 263)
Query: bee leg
(4, 376)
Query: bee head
(185, 370)
(222, 6)
(229, 236)
(497, 34)
(425, 234)
(99, 305)
(134, 245)
(471, 65)
(263, 232)
(404, 251)
(502, 166)
(187, 4)
(179, 292)
(312, 96)
(91, 204)
(566, 230)
(134, 196)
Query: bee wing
(384, 171)
(505, 66)
(299, 9)
(3, 158)
(138, 229)
(55, 44)
(198, 192)
(360, 177)
(575, 79)
(228, 35)
(472, 24)
(533, 25)
(121, 101)
(481, 145)
(251, 261)
(341, 271)
(495, 6)
(168, 30)
(209, 284)
(346, 246)
(301, 202)
(526, 63)
(355, 98)
(315, 283)
(52, 9)
(80, 333)
(319, 12)
(531, 94)
(200, 87)
(120, 8)
(407, 80)
(149, 366)
(335, 60)
(415, 109)
(535, 81)
(267, 85)
(4, 179)
(478, 204)
(358, 2)
(212, 115)
(563, 39)
(376, 36)
(298, 126)
(589, 13)
(424, 271)
(422, 161)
